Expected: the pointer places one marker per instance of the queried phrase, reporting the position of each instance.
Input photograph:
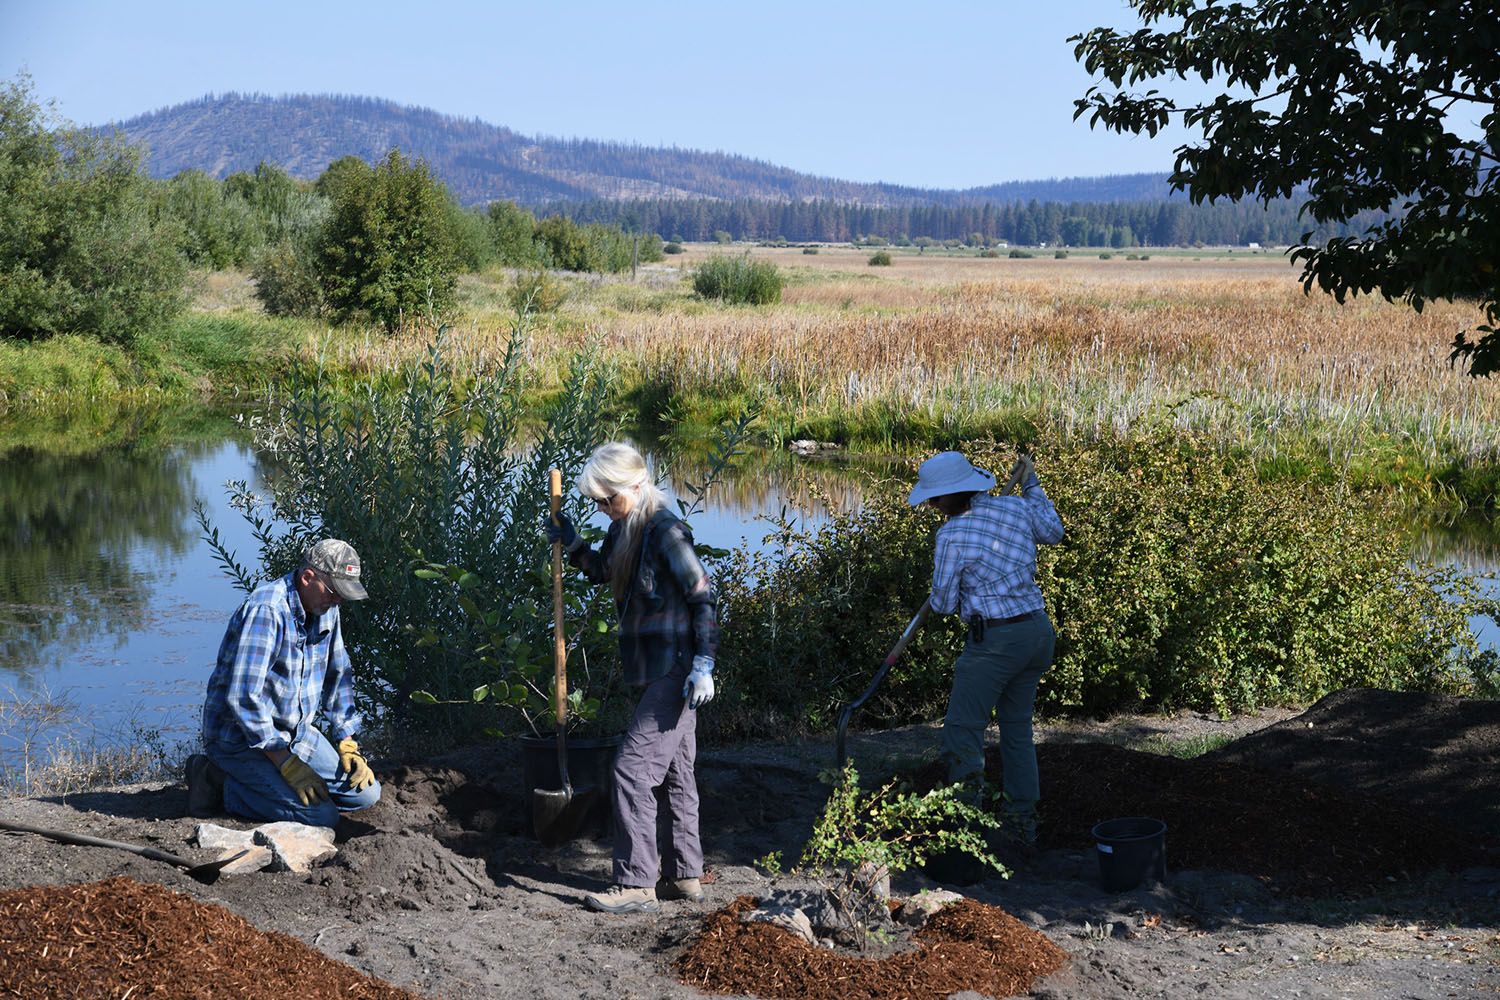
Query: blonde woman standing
(669, 636)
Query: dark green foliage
(1180, 585)
(439, 469)
(472, 247)
(809, 250)
(672, 248)
(880, 258)
(1359, 82)
(219, 230)
(594, 248)
(387, 251)
(286, 279)
(83, 248)
(738, 280)
(512, 230)
(286, 208)
(1018, 254)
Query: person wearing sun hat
(984, 568)
(282, 663)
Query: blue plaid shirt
(985, 562)
(276, 669)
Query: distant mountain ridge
(480, 162)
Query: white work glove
(699, 689)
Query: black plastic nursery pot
(1131, 850)
(591, 763)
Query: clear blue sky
(932, 94)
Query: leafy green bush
(1180, 585)
(880, 258)
(83, 246)
(1017, 253)
(438, 470)
(672, 248)
(1106, 256)
(537, 292)
(387, 251)
(1060, 255)
(286, 280)
(738, 280)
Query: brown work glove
(352, 761)
(304, 780)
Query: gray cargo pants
(658, 751)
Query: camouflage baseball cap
(341, 563)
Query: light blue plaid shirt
(276, 669)
(985, 562)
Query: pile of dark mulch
(121, 938)
(1303, 837)
(966, 946)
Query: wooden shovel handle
(559, 644)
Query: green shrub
(537, 292)
(991, 253)
(880, 258)
(387, 252)
(1106, 256)
(1179, 585)
(286, 280)
(84, 247)
(1060, 255)
(738, 280)
(1017, 253)
(672, 248)
(439, 469)
(809, 250)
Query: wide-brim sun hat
(948, 472)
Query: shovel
(208, 874)
(840, 750)
(557, 815)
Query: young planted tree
(387, 251)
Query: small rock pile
(272, 847)
(780, 947)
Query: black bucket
(1131, 850)
(591, 763)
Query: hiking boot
(624, 899)
(205, 785)
(690, 889)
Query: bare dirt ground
(439, 889)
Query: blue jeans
(255, 789)
(999, 674)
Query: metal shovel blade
(558, 815)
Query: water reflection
(79, 535)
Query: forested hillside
(480, 162)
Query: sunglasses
(603, 502)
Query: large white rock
(212, 837)
(295, 847)
(254, 860)
(789, 918)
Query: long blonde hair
(614, 468)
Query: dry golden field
(949, 346)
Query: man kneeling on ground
(281, 662)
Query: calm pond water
(114, 605)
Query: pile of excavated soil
(1303, 837)
(967, 946)
(120, 938)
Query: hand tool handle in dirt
(1017, 472)
(559, 643)
(202, 872)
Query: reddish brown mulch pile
(967, 946)
(121, 937)
(1304, 837)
